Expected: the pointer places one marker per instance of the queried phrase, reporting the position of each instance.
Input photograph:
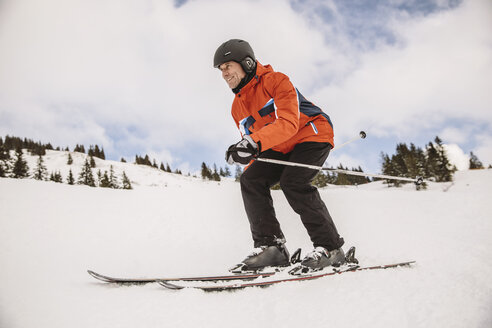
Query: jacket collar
(260, 71)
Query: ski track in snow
(172, 225)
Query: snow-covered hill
(139, 175)
(50, 234)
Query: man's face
(232, 73)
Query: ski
(243, 276)
(235, 275)
(266, 283)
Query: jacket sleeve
(287, 113)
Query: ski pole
(362, 135)
(418, 180)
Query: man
(277, 122)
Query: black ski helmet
(236, 50)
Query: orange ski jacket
(275, 114)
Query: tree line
(16, 167)
(146, 161)
(410, 161)
(322, 179)
(431, 163)
(215, 174)
(39, 148)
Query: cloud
(136, 76)
(455, 134)
(439, 68)
(141, 71)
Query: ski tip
(99, 276)
(92, 273)
(168, 285)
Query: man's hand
(242, 152)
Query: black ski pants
(295, 183)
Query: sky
(136, 77)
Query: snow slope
(50, 234)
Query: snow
(50, 234)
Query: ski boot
(319, 259)
(262, 257)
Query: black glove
(242, 152)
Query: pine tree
(215, 174)
(79, 148)
(56, 177)
(475, 163)
(410, 158)
(86, 177)
(126, 182)
(70, 179)
(20, 169)
(123, 160)
(70, 159)
(41, 172)
(445, 169)
(432, 161)
(99, 177)
(206, 173)
(105, 182)
(398, 160)
(97, 152)
(4, 161)
(113, 181)
(389, 169)
(92, 161)
(147, 160)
